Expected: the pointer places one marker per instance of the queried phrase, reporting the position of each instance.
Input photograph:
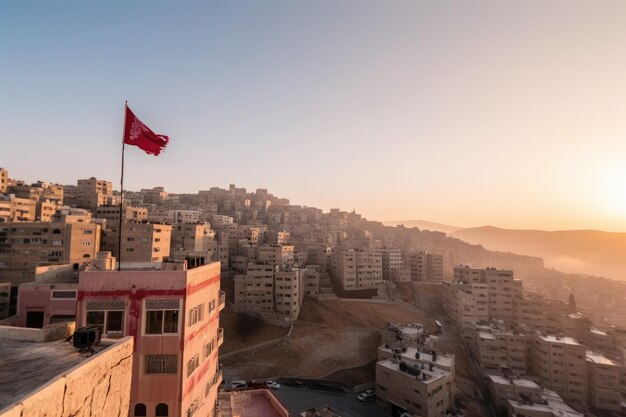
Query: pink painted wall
(39, 298)
(192, 287)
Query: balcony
(220, 336)
(222, 303)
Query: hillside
(575, 251)
(424, 225)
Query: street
(346, 404)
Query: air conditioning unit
(87, 337)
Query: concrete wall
(48, 333)
(97, 387)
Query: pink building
(173, 315)
(40, 304)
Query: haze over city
(472, 113)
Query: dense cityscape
(235, 303)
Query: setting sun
(614, 192)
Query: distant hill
(589, 252)
(424, 225)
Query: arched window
(56, 231)
(161, 410)
(140, 410)
(86, 255)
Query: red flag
(138, 134)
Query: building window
(107, 314)
(111, 321)
(192, 365)
(161, 410)
(162, 316)
(195, 315)
(140, 410)
(63, 295)
(160, 363)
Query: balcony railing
(222, 299)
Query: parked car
(296, 383)
(238, 384)
(368, 395)
(272, 384)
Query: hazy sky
(466, 113)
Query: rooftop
(599, 359)
(26, 366)
(251, 403)
(566, 340)
(431, 376)
(524, 383)
(549, 402)
(444, 360)
(597, 331)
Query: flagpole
(119, 243)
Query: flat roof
(551, 403)
(26, 366)
(598, 331)
(251, 403)
(443, 359)
(525, 383)
(485, 335)
(432, 376)
(599, 358)
(566, 340)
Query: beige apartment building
(26, 245)
(192, 240)
(276, 255)
(144, 242)
(92, 193)
(497, 349)
(391, 259)
(274, 294)
(560, 363)
(4, 180)
(503, 388)
(466, 303)
(38, 191)
(254, 291)
(357, 269)
(112, 214)
(426, 267)
(288, 294)
(530, 313)
(311, 281)
(157, 195)
(404, 385)
(502, 288)
(546, 404)
(604, 380)
(13, 209)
